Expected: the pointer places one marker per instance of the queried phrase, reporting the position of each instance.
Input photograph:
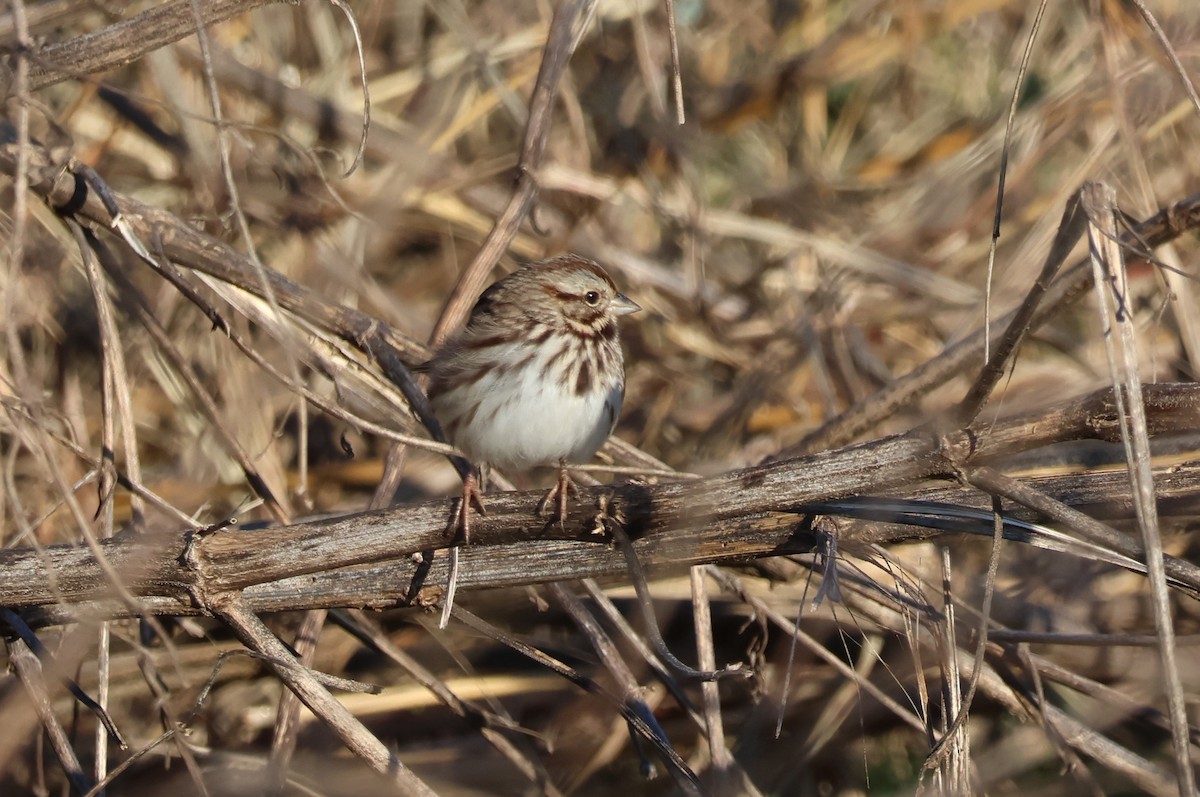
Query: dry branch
(1043, 303)
(708, 511)
(366, 559)
(29, 670)
(304, 684)
(126, 41)
(559, 46)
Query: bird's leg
(472, 495)
(559, 494)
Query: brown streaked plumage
(536, 376)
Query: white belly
(523, 422)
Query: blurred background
(818, 227)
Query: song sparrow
(536, 377)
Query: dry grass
(819, 227)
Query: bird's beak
(623, 305)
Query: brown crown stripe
(571, 262)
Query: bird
(536, 377)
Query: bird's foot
(472, 496)
(556, 498)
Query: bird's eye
(592, 298)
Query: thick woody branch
(368, 559)
(180, 572)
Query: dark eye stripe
(592, 298)
(562, 296)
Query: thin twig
(224, 149)
(1110, 274)
(1070, 229)
(287, 717)
(112, 375)
(645, 602)
(1181, 72)
(556, 54)
(676, 77)
(989, 588)
(29, 671)
(645, 724)
(137, 305)
(495, 725)
(706, 659)
(105, 721)
(1070, 285)
(301, 681)
(362, 76)
(1002, 175)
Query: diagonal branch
(557, 52)
(313, 694)
(128, 40)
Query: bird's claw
(472, 496)
(557, 496)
